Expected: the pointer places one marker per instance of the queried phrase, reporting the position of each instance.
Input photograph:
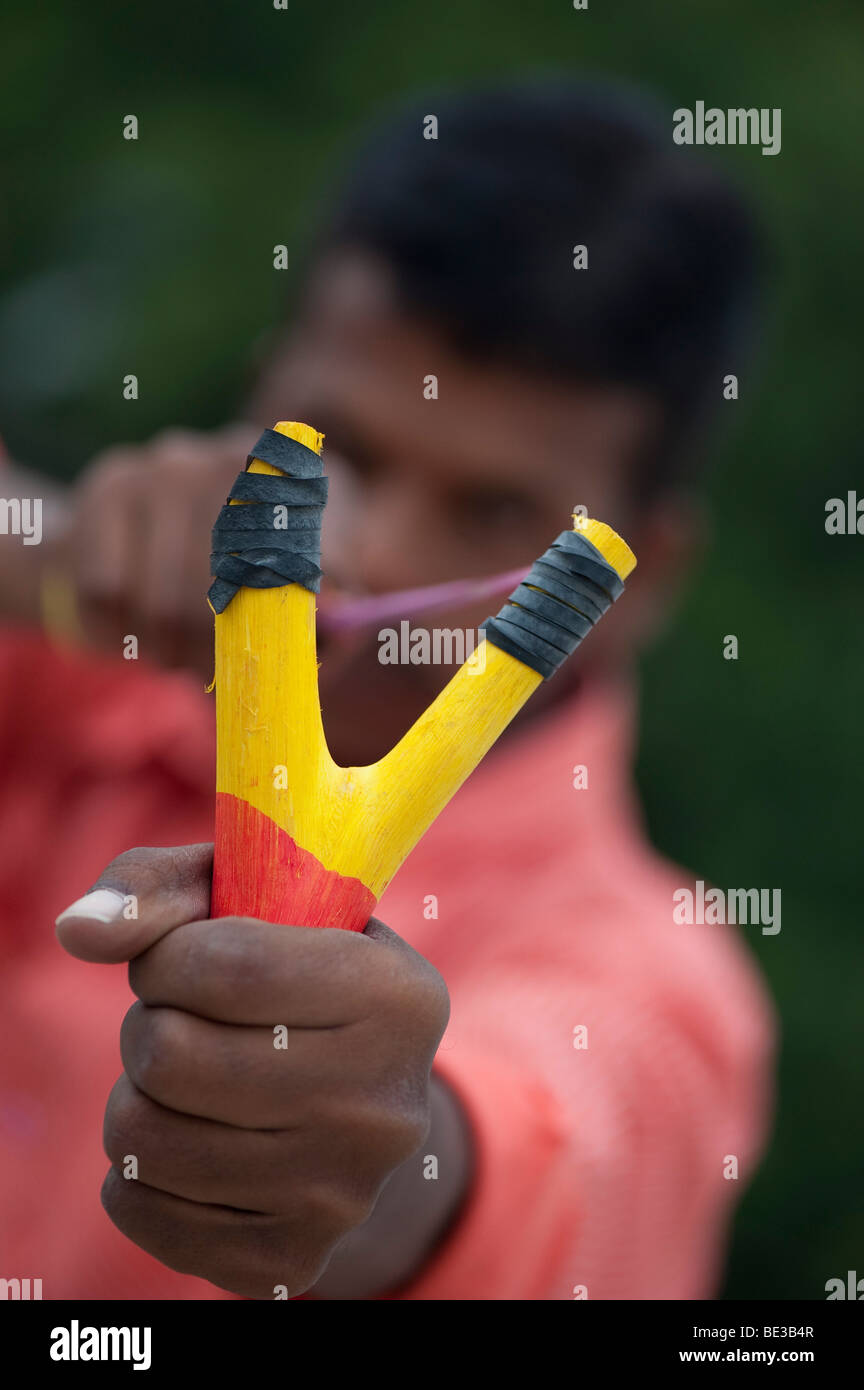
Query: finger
(191, 1157)
(202, 1160)
(240, 970)
(253, 1078)
(164, 543)
(244, 1252)
(105, 529)
(181, 476)
(142, 894)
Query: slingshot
(299, 840)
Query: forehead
(390, 385)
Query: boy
(601, 1064)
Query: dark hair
(479, 227)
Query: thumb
(140, 897)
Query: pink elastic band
(342, 615)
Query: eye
(498, 507)
(358, 465)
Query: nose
(380, 537)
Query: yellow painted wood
(615, 551)
(271, 750)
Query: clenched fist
(138, 547)
(275, 1077)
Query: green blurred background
(153, 257)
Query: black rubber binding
(558, 602)
(249, 549)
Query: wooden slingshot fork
(304, 842)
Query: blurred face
(424, 490)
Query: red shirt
(600, 1167)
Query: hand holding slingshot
(299, 840)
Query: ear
(669, 538)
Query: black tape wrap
(560, 599)
(276, 538)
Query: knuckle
(124, 1126)
(139, 871)
(110, 471)
(225, 953)
(404, 1134)
(130, 866)
(436, 1002)
(395, 1128)
(151, 1044)
(381, 1125)
(292, 1274)
(279, 1256)
(178, 448)
(334, 1209)
(114, 1196)
(422, 1005)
